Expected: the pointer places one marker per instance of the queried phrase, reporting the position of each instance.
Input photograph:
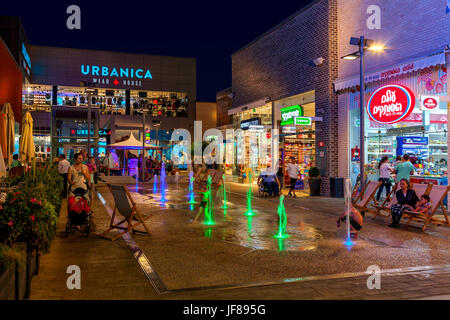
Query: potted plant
(10, 259)
(314, 181)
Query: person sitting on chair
(270, 181)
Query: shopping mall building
(296, 69)
(120, 87)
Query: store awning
(392, 71)
(248, 106)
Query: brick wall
(408, 28)
(278, 65)
(224, 103)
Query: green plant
(27, 219)
(314, 172)
(9, 256)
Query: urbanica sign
(288, 114)
(115, 72)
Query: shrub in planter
(314, 181)
(10, 258)
(29, 220)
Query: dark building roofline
(291, 17)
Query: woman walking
(385, 176)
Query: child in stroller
(79, 210)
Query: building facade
(120, 87)
(290, 70)
(416, 37)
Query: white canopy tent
(134, 144)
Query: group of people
(407, 199)
(273, 182)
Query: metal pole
(89, 124)
(361, 113)
(143, 146)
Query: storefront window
(37, 98)
(163, 104)
(297, 141)
(422, 134)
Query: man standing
(404, 169)
(63, 168)
(292, 169)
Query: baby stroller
(262, 190)
(79, 210)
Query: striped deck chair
(419, 188)
(437, 196)
(367, 196)
(385, 205)
(126, 207)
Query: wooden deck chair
(367, 196)
(122, 200)
(437, 196)
(384, 206)
(217, 179)
(355, 193)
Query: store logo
(288, 114)
(115, 72)
(430, 103)
(391, 104)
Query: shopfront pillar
(128, 102)
(54, 95)
(96, 134)
(53, 134)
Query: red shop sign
(429, 103)
(391, 104)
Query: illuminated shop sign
(84, 132)
(254, 128)
(26, 56)
(245, 124)
(391, 104)
(303, 121)
(110, 75)
(429, 103)
(288, 114)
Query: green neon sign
(303, 121)
(288, 114)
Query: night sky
(207, 30)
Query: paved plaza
(239, 257)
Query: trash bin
(337, 187)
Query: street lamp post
(362, 152)
(364, 44)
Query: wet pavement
(239, 257)
(239, 250)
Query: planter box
(21, 277)
(7, 284)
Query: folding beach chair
(216, 179)
(437, 196)
(367, 196)
(200, 177)
(385, 205)
(122, 200)
(355, 192)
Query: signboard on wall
(429, 103)
(288, 114)
(245, 124)
(391, 104)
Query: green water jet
(209, 209)
(249, 211)
(282, 220)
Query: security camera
(318, 61)
(267, 99)
(231, 95)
